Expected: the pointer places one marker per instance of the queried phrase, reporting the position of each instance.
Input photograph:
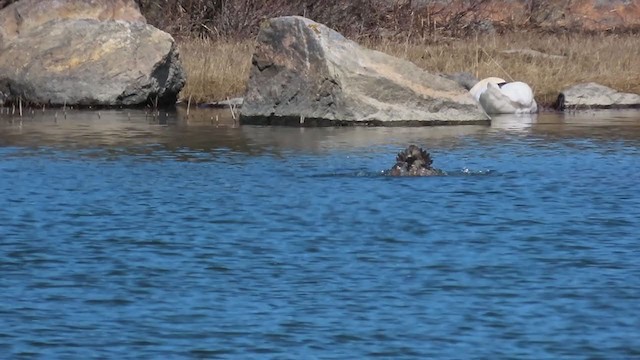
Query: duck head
(413, 161)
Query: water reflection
(514, 122)
(206, 129)
(121, 128)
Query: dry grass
(611, 60)
(219, 69)
(215, 69)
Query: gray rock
(90, 62)
(595, 96)
(306, 74)
(465, 79)
(533, 54)
(233, 102)
(24, 15)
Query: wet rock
(595, 96)
(89, 53)
(306, 74)
(224, 104)
(414, 161)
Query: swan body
(501, 97)
(481, 86)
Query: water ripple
(256, 243)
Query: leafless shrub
(241, 18)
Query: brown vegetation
(216, 38)
(611, 60)
(239, 19)
(217, 69)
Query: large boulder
(595, 96)
(304, 73)
(86, 52)
(25, 15)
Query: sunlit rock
(595, 96)
(306, 74)
(26, 15)
(83, 52)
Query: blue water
(140, 240)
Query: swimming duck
(500, 97)
(414, 161)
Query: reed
(216, 69)
(219, 69)
(611, 60)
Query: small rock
(234, 102)
(595, 96)
(533, 53)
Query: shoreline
(218, 69)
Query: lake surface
(126, 236)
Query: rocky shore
(303, 73)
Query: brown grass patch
(220, 69)
(611, 60)
(216, 69)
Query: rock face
(85, 52)
(26, 15)
(306, 74)
(465, 79)
(595, 96)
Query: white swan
(501, 97)
(481, 86)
